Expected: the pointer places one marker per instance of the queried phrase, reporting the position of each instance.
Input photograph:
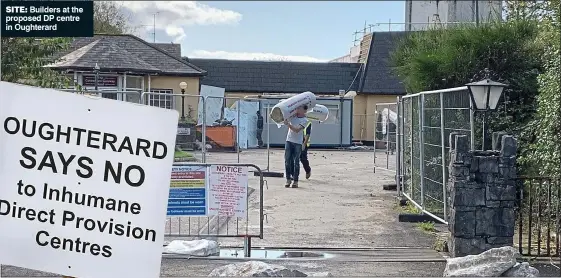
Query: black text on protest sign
(47, 18)
(80, 167)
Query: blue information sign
(187, 194)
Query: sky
(308, 31)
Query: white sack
(318, 113)
(386, 113)
(287, 108)
(199, 248)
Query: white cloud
(173, 16)
(252, 56)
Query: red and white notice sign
(227, 191)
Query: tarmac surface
(342, 205)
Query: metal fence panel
(385, 136)
(192, 146)
(233, 133)
(214, 227)
(427, 119)
(191, 139)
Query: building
(128, 63)
(352, 57)
(421, 14)
(373, 80)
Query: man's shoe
(295, 184)
(287, 185)
(308, 175)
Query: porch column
(124, 95)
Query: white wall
(419, 15)
(355, 53)
(352, 57)
(344, 59)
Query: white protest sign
(227, 191)
(83, 183)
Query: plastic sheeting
(247, 124)
(214, 103)
(198, 248)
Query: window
(161, 100)
(134, 82)
(333, 117)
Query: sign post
(83, 183)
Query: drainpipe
(341, 96)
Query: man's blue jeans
(292, 153)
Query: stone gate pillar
(481, 195)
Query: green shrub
(453, 57)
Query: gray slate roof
(378, 77)
(153, 57)
(279, 77)
(107, 55)
(171, 48)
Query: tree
(453, 57)
(23, 61)
(545, 150)
(110, 19)
(542, 10)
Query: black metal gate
(538, 223)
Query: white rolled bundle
(318, 113)
(287, 108)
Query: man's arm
(296, 129)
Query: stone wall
(481, 195)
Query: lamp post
(183, 86)
(96, 71)
(485, 95)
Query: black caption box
(47, 18)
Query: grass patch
(410, 208)
(182, 154)
(427, 227)
(440, 244)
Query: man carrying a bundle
(293, 146)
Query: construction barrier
(191, 137)
(247, 227)
(233, 134)
(385, 136)
(426, 120)
(213, 131)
